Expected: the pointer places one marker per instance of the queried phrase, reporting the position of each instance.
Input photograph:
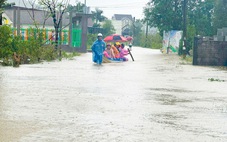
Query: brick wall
(209, 52)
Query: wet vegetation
(186, 60)
(15, 51)
(214, 79)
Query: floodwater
(157, 98)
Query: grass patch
(214, 79)
(69, 56)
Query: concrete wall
(209, 52)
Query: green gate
(76, 37)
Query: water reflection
(170, 119)
(168, 96)
(167, 99)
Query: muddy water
(156, 98)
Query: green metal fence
(76, 37)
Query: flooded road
(156, 98)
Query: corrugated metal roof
(38, 14)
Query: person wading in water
(97, 49)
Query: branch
(46, 17)
(32, 16)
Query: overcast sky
(111, 7)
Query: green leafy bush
(90, 40)
(29, 51)
(5, 42)
(152, 41)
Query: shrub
(48, 53)
(30, 50)
(5, 42)
(152, 41)
(91, 38)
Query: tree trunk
(57, 48)
(0, 18)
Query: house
(28, 17)
(74, 25)
(122, 23)
(22, 19)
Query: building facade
(122, 24)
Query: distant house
(122, 23)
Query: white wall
(117, 25)
(6, 20)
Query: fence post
(22, 34)
(70, 30)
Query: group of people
(114, 52)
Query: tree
(136, 29)
(167, 15)
(79, 7)
(97, 17)
(200, 16)
(220, 14)
(31, 12)
(57, 9)
(5, 41)
(164, 14)
(2, 4)
(108, 28)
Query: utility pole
(85, 6)
(184, 22)
(146, 33)
(184, 9)
(133, 26)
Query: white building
(122, 23)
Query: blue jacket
(97, 50)
(98, 47)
